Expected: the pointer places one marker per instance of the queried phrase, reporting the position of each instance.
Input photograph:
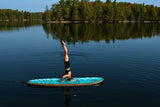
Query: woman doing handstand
(67, 64)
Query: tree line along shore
(84, 11)
(15, 15)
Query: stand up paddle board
(56, 82)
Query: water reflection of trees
(16, 25)
(109, 32)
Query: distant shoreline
(79, 22)
(18, 20)
(86, 22)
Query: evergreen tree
(108, 11)
(74, 11)
(108, 1)
(59, 13)
(153, 13)
(84, 10)
(66, 13)
(158, 13)
(98, 9)
(47, 14)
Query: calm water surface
(127, 56)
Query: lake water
(127, 56)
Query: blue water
(130, 67)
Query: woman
(67, 64)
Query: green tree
(84, 10)
(153, 13)
(158, 13)
(98, 9)
(47, 14)
(59, 13)
(108, 11)
(91, 11)
(108, 1)
(66, 13)
(20, 15)
(74, 10)
(53, 12)
(63, 8)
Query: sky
(40, 5)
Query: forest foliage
(85, 10)
(9, 14)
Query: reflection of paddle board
(78, 81)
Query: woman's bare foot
(63, 43)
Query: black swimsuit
(67, 65)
